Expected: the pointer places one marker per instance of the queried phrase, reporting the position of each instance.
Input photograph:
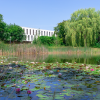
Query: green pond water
(61, 58)
(75, 83)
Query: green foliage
(83, 29)
(46, 40)
(1, 18)
(16, 32)
(34, 41)
(60, 32)
(2, 30)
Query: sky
(42, 14)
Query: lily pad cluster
(48, 81)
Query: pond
(61, 58)
(58, 80)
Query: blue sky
(43, 14)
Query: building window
(31, 38)
(28, 37)
(26, 31)
(36, 32)
(49, 33)
(41, 33)
(30, 31)
(33, 32)
(44, 33)
(24, 37)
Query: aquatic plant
(59, 75)
(17, 90)
(92, 69)
(29, 92)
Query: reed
(27, 49)
(20, 49)
(73, 50)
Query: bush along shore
(48, 81)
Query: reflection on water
(61, 58)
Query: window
(28, 37)
(36, 32)
(30, 31)
(31, 38)
(24, 37)
(41, 33)
(49, 33)
(44, 33)
(33, 32)
(26, 31)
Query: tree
(15, 32)
(84, 27)
(60, 32)
(2, 27)
(1, 18)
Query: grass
(21, 49)
(73, 50)
(26, 49)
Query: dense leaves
(16, 32)
(83, 29)
(60, 32)
(46, 40)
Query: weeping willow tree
(83, 28)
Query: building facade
(30, 33)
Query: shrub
(46, 40)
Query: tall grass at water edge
(73, 50)
(20, 49)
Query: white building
(32, 32)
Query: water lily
(17, 90)
(92, 69)
(98, 65)
(51, 72)
(87, 67)
(32, 62)
(82, 64)
(16, 62)
(10, 67)
(60, 74)
(9, 63)
(29, 92)
(43, 67)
